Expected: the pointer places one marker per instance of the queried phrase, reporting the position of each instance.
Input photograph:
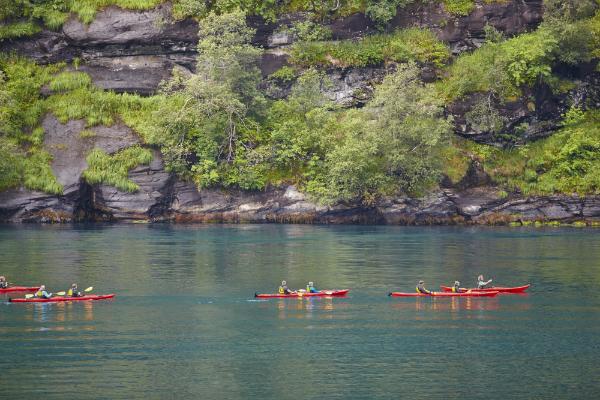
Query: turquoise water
(185, 324)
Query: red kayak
(516, 289)
(12, 289)
(444, 294)
(62, 299)
(322, 293)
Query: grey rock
(149, 202)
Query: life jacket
(39, 294)
(455, 290)
(281, 290)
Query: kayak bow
(444, 294)
(12, 289)
(63, 299)
(322, 293)
(516, 289)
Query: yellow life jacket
(308, 288)
(38, 293)
(70, 293)
(454, 289)
(281, 291)
(417, 288)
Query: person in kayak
(481, 283)
(73, 292)
(42, 293)
(3, 283)
(456, 287)
(421, 288)
(283, 289)
(310, 288)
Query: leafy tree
(299, 126)
(391, 145)
(215, 108)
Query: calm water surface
(185, 324)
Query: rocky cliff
(133, 51)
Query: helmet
(74, 285)
(2, 278)
(421, 282)
(480, 278)
(283, 283)
(456, 283)
(310, 284)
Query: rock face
(133, 51)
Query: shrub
(404, 45)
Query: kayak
(19, 289)
(63, 299)
(322, 293)
(516, 289)
(444, 294)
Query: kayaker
(481, 283)
(42, 293)
(73, 292)
(3, 283)
(283, 289)
(310, 288)
(421, 288)
(456, 287)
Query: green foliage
(113, 169)
(18, 29)
(21, 107)
(402, 46)
(502, 68)
(309, 31)
(11, 164)
(284, 74)
(37, 174)
(95, 106)
(300, 127)
(459, 7)
(382, 11)
(66, 81)
(566, 162)
(394, 144)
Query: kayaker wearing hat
(456, 287)
(3, 282)
(481, 284)
(310, 288)
(283, 289)
(73, 291)
(41, 293)
(421, 288)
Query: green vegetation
(18, 29)
(503, 67)
(412, 44)
(22, 158)
(566, 162)
(459, 7)
(284, 74)
(215, 128)
(113, 169)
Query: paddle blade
(61, 293)
(89, 289)
(28, 296)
